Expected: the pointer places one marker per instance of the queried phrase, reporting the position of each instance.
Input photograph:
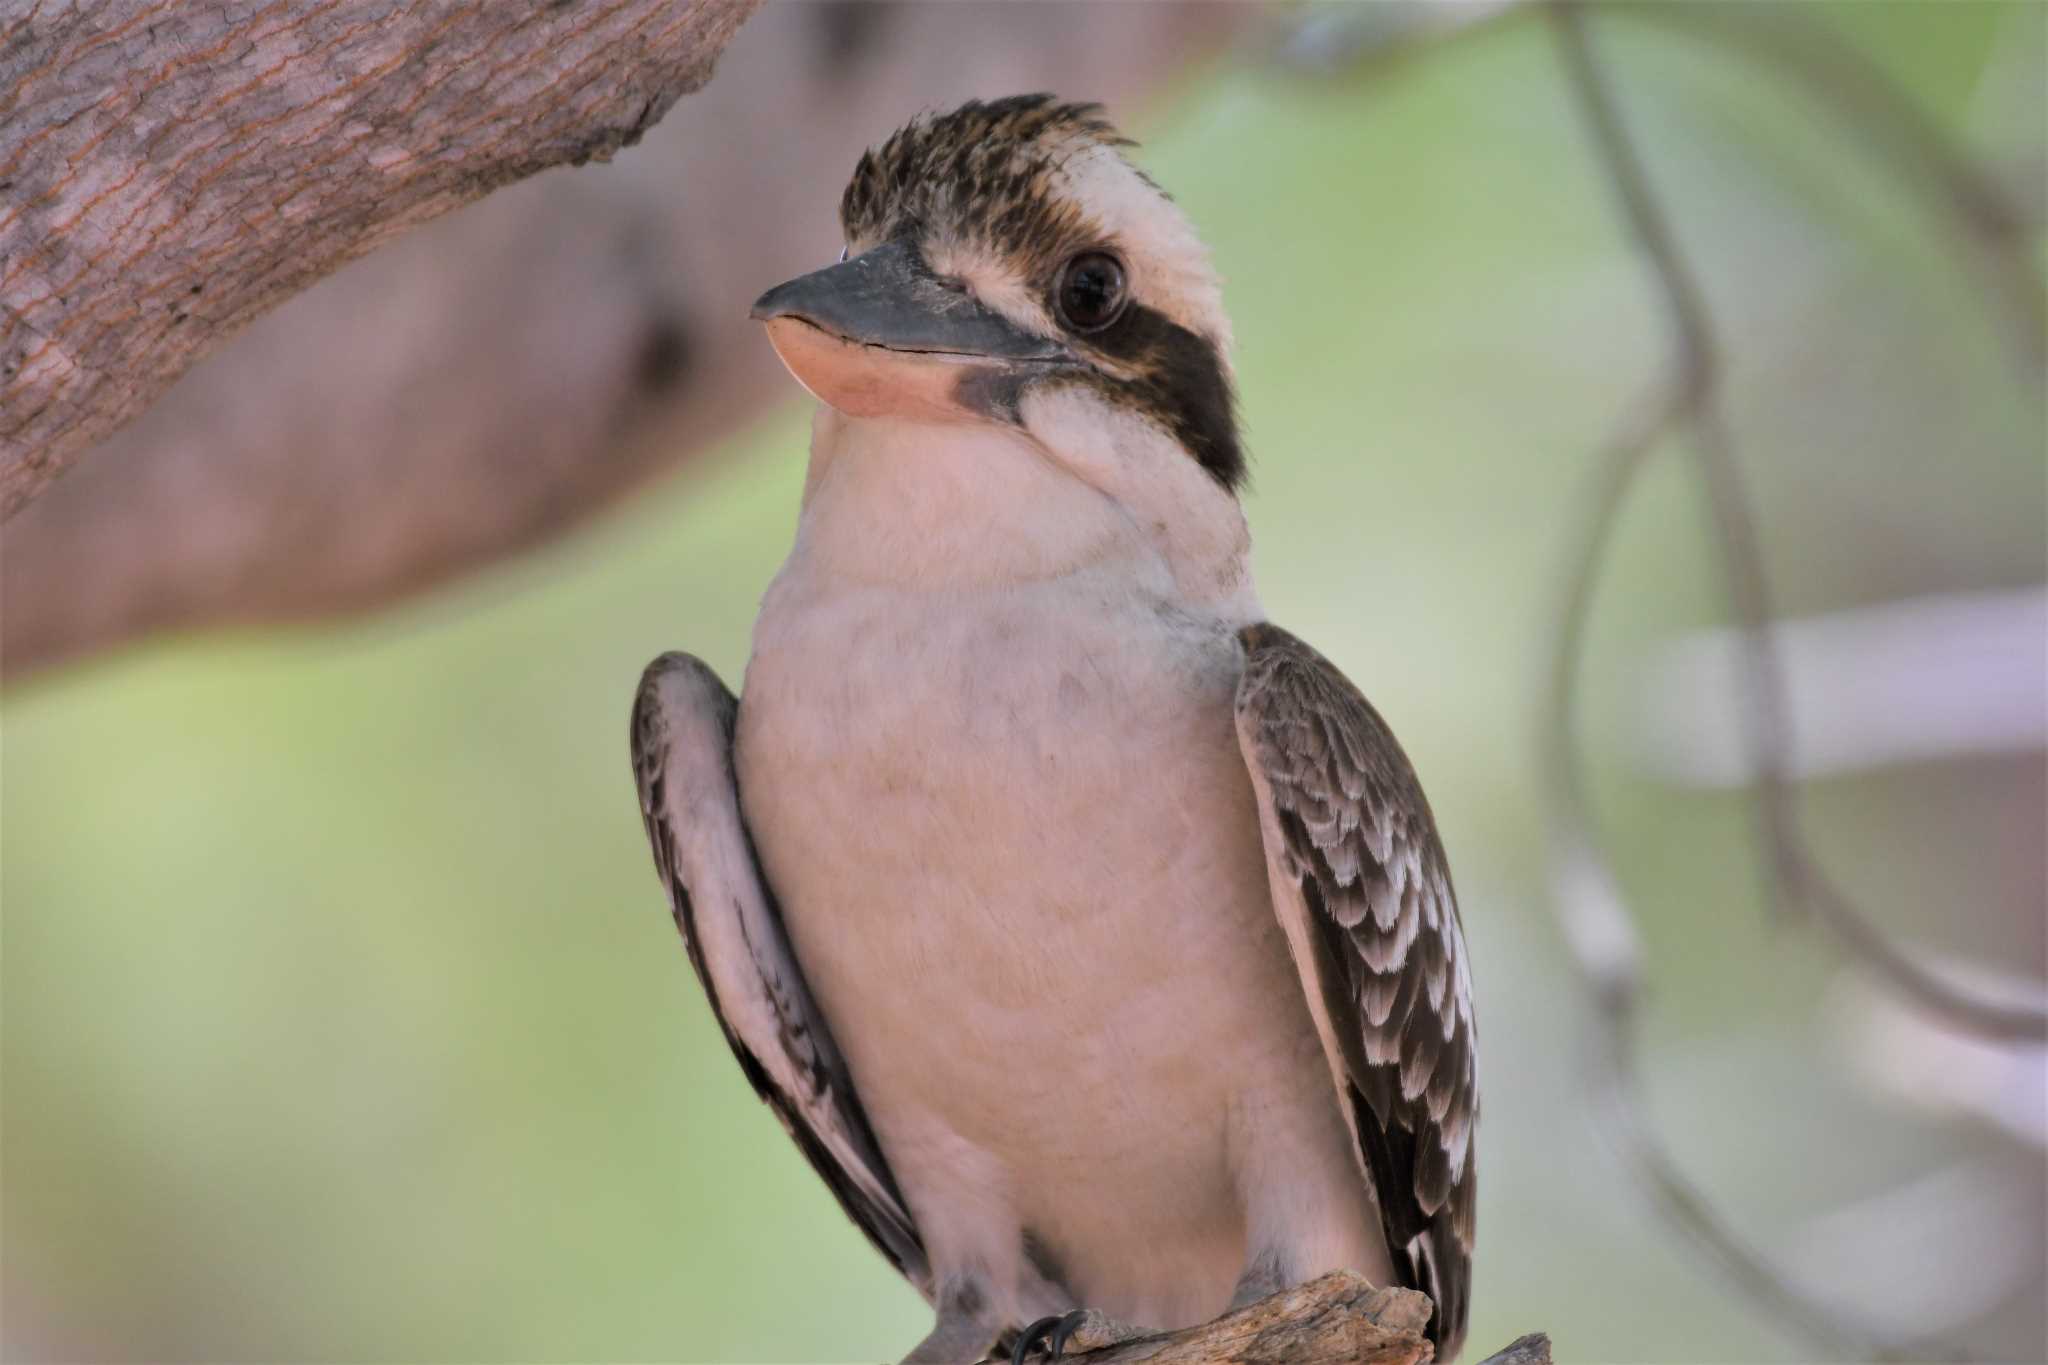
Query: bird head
(1005, 254)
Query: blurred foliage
(343, 1017)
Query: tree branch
(497, 378)
(168, 172)
(1338, 1319)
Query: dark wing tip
(1444, 1272)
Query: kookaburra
(1090, 935)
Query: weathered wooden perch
(168, 171)
(1336, 1320)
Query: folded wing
(1362, 888)
(682, 762)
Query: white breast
(1019, 858)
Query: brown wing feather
(682, 732)
(1351, 834)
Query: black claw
(1031, 1336)
(1064, 1333)
(1055, 1332)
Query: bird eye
(1091, 291)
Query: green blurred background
(343, 1017)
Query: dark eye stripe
(1179, 380)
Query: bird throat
(952, 505)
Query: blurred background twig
(1587, 893)
(1586, 887)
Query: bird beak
(881, 336)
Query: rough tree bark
(168, 171)
(1338, 1319)
(492, 379)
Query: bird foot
(1080, 1331)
